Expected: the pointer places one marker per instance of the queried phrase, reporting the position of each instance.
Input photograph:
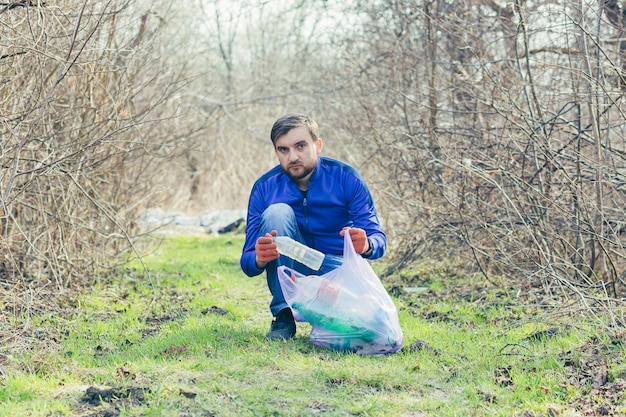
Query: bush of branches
(497, 134)
(80, 95)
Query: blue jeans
(280, 217)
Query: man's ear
(318, 145)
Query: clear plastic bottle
(299, 252)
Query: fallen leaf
(504, 381)
(543, 334)
(553, 412)
(420, 345)
(215, 310)
(601, 376)
(175, 350)
(123, 372)
(188, 394)
(488, 397)
(546, 390)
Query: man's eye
(301, 145)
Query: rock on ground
(216, 222)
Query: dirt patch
(108, 401)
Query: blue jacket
(337, 197)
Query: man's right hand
(266, 249)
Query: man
(312, 199)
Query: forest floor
(188, 341)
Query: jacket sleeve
(248, 255)
(379, 245)
(364, 216)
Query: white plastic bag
(348, 308)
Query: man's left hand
(358, 237)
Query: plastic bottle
(299, 252)
(327, 305)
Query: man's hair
(290, 120)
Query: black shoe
(283, 326)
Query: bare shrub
(496, 132)
(81, 95)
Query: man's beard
(306, 171)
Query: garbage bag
(348, 308)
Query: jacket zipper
(306, 218)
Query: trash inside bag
(348, 308)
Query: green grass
(161, 336)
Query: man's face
(297, 154)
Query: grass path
(189, 341)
